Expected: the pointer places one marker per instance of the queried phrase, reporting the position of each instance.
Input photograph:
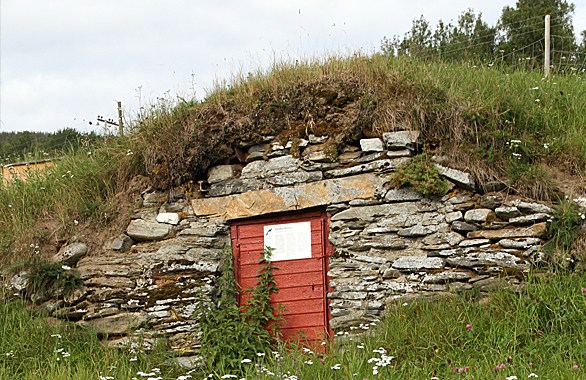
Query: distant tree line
(517, 36)
(30, 146)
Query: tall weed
(232, 335)
(34, 346)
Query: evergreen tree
(517, 39)
(28, 146)
(470, 39)
(521, 31)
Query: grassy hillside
(477, 116)
(515, 127)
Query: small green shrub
(231, 333)
(421, 174)
(46, 279)
(565, 228)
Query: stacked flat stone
(388, 243)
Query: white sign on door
(291, 241)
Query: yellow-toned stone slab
(279, 199)
(536, 230)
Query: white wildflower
(336, 367)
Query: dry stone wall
(403, 248)
(150, 281)
(388, 243)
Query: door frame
(289, 217)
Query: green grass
(34, 346)
(57, 202)
(540, 329)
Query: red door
(301, 251)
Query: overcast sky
(64, 62)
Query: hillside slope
(513, 126)
(510, 129)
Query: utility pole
(112, 123)
(546, 61)
(120, 122)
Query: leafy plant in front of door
(232, 335)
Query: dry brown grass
(346, 99)
(467, 114)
